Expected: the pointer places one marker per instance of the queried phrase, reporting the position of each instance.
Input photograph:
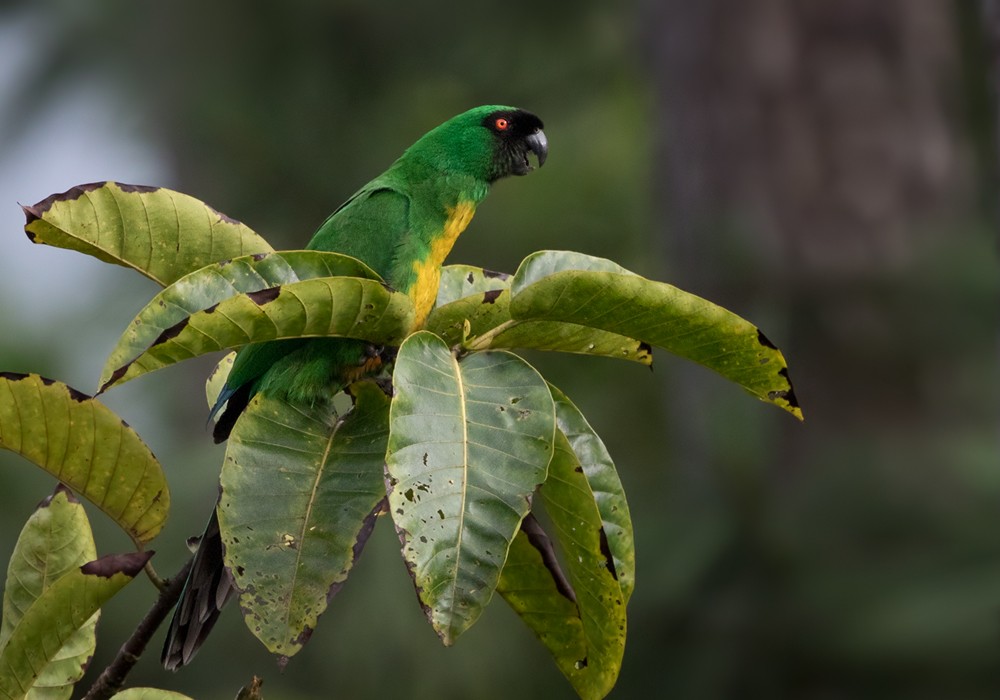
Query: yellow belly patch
(428, 271)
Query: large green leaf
(480, 318)
(206, 288)
(584, 627)
(87, 447)
(155, 231)
(602, 478)
(579, 289)
(56, 539)
(63, 608)
(469, 441)
(300, 494)
(327, 306)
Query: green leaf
(148, 694)
(602, 477)
(584, 630)
(87, 447)
(205, 288)
(56, 539)
(300, 494)
(469, 441)
(63, 608)
(579, 289)
(531, 590)
(485, 307)
(327, 306)
(160, 233)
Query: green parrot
(402, 224)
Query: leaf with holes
(582, 624)
(300, 494)
(469, 441)
(158, 232)
(87, 447)
(579, 289)
(56, 539)
(349, 307)
(61, 610)
(460, 281)
(206, 288)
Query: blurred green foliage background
(824, 169)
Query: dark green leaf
(585, 634)
(155, 231)
(87, 447)
(486, 310)
(327, 306)
(578, 289)
(205, 288)
(469, 442)
(300, 494)
(603, 480)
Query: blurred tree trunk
(806, 149)
(822, 126)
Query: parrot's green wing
(370, 227)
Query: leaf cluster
(491, 476)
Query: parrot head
(488, 143)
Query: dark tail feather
(208, 588)
(236, 400)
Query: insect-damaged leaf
(484, 304)
(63, 608)
(580, 289)
(87, 447)
(602, 478)
(327, 306)
(55, 540)
(586, 634)
(158, 232)
(469, 441)
(460, 281)
(300, 494)
(205, 288)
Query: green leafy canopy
(493, 479)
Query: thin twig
(113, 677)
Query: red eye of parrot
(502, 124)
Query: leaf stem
(113, 677)
(483, 342)
(154, 577)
